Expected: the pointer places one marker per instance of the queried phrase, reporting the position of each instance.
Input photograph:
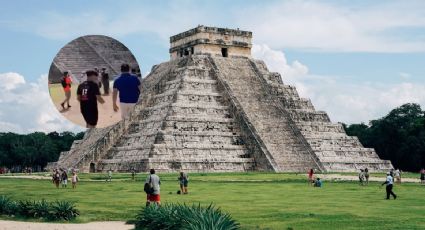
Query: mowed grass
(256, 200)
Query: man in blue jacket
(128, 86)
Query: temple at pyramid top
(211, 40)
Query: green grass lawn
(256, 200)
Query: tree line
(34, 150)
(399, 136)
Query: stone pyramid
(212, 108)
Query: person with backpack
(66, 82)
(152, 189)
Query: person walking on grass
(66, 82)
(74, 180)
(109, 175)
(389, 188)
(310, 176)
(184, 180)
(152, 189)
(133, 174)
(64, 179)
(362, 177)
(88, 94)
(422, 176)
(128, 86)
(366, 175)
(397, 176)
(56, 177)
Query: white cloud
(344, 102)
(375, 27)
(10, 81)
(386, 26)
(27, 107)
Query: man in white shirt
(389, 182)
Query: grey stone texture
(207, 113)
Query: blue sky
(355, 60)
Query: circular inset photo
(94, 81)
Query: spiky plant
(181, 216)
(64, 210)
(43, 209)
(26, 208)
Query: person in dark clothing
(389, 188)
(105, 81)
(64, 179)
(88, 94)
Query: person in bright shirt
(66, 85)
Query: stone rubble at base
(208, 111)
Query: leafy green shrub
(25, 208)
(64, 210)
(7, 206)
(42, 209)
(59, 210)
(178, 216)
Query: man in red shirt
(66, 84)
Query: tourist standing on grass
(422, 176)
(109, 176)
(128, 86)
(366, 175)
(74, 180)
(64, 179)
(310, 176)
(154, 182)
(133, 174)
(66, 85)
(184, 181)
(88, 94)
(56, 177)
(361, 177)
(397, 175)
(389, 188)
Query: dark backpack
(63, 82)
(148, 187)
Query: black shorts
(90, 115)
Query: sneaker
(395, 197)
(62, 104)
(69, 106)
